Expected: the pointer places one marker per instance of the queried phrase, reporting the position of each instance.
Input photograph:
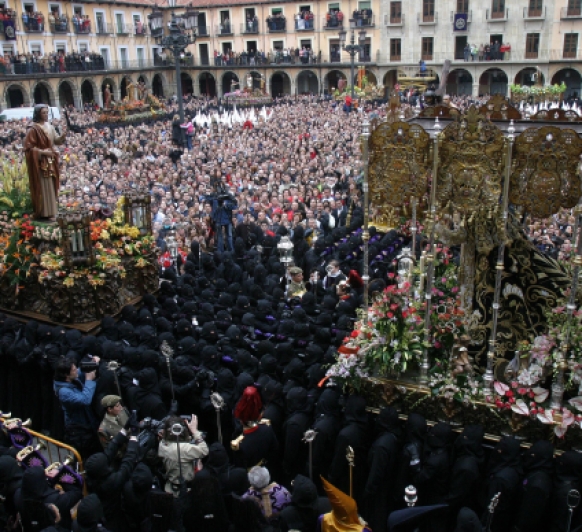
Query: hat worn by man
(295, 270)
(109, 401)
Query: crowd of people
(53, 62)
(259, 57)
(494, 51)
(240, 327)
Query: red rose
(509, 393)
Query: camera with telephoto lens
(88, 367)
(149, 429)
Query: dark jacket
(108, 484)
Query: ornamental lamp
(75, 239)
(137, 209)
(191, 18)
(172, 244)
(342, 37)
(285, 249)
(405, 262)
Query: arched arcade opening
(187, 84)
(493, 81)
(87, 92)
(331, 80)
(572, 79)
(280, 84)
(42, 94)
(66, 94)
(460, 81)
(158, 86)
(307, 83)
(230, 83)
(16, 96)
(207, 85)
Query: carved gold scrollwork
(471, 165)
(545, 177)
(399, 164)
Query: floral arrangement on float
(389, 338)
(527, 393)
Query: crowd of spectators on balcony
(7, 14)
(277, 22)
(494, 51)
(32, 21)
(54, 62)
(58, 22)
(252, 24)
(363, 17)
(225, 27)
(81, 23)
(304, 20)
(258, 57)
(334, 19)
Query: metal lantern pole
(499, 267)
(352, 49)
(430, 256)
(366, 234)
(177, 42)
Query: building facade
(61, 52)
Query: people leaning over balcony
(276, 22)
(304, 20)
(54, 62)
(363, 17)
(33, 21)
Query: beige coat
(189, 453)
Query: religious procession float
(363, 89)
(252, 94)
(476, 325)
(138, 105)
(81, 267)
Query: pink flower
(437, 345)
(514, 385)
(558, 310)
(390, 315)
(444, 280)
(521, 391)
(455, 289)
(391, 275)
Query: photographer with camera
(181, 447)
(75, 391)
(222, 206)
(115, 418)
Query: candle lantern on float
(75, 240)
(137, 210)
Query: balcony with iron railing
(427, 19)
(571, 12)
(364, 18)
(277, 24)
(123, 29)
(394, 20)
(333, 22)
(81, 26)
(534, 13)
(140, 29)
(305, 24)
(32, 23)
(103, 28)
(60, 25)
(497, 15)
(226, 28)
(250, 27)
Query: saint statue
(249, 82)
(107, 97)
(42, 162)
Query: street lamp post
(182, 34)
(352, 49)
